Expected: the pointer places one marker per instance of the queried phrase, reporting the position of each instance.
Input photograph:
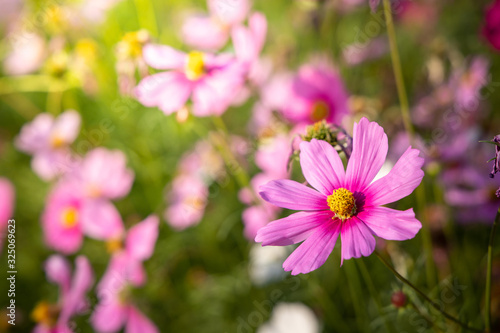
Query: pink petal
(104, 174)
(101, 220)
(321, 166)
(357, 239)
(229, 12)
(314, 251)
(109, 316)
(292, 195)
(81, 284)
(391, 224)
(34, 136)
(204, 33)
(404, 177)
(7, 194)
(168, 91)
(368, 154)
(52, 163)
(141, 238)
(210, 96)
(67, 126)
(139, 323)
(292, 229)
(58, 271)
(59, 237)
(163, 57)
(248, 42)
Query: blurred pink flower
(315, 93)
(48, 140)
(115, 309)
(491, 28)
(72, 301)
(249, 41)
(211, 32)
(346, 203)
(470, 193)
(204, 77)
(103, 174)
(27, 55)
(272, 159)
(466, 83)
(358, 53)
(187, 201)
(7, 197)
(69, 215)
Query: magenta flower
(69, 215)
(115, 309)
(54, 318)
(48, 140)
(346, 203)
(204, 77)
(7, 194)
(491, 28)
(317, 93)
(211, 32)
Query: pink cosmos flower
(205, 78)
(345, 203)
(491, 28)
(211, 32)
(55, 318)
(7, 194)
(115, 309)
(187, 202)
(69, 215)
(48, 140)
(316, 93)
(103, 174)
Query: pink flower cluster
(212, 82)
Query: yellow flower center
(320, 111)
(342, 203)
(195, 66)
(114, 245)
(69, 217)
(45, 313)
(87, 49)
(57, 142)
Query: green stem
(425, 297)
(405, 112)
(487, 305)
(398, 72)
(373, 291)
(220, 142)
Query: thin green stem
(425, 297)
(398, 72)
(487, 305)
(405, 112)
(234, 167)
(374, 294)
